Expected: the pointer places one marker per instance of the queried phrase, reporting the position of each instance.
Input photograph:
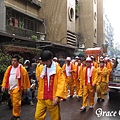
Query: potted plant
(34, 37)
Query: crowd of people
(84, 76)
(88, 76)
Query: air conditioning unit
(42, 37)
(81, 45)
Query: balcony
(35, 2)
(21, 32)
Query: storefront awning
(79, 54)
(12, 48)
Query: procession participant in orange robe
(75, 74)
(55, 60)
(89, 74)
(51, 88)
(69, 70)
(101, 80)
(83, 65)
(77, 79)
(108, 66)
(16, 80)
(94, 63)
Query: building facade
(20, 24)
(100, 23)
(108, 36)
(39, 24)
(59, 18)
(86, 23)
(62, 26)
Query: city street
(37, 37)
(70, 110)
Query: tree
(5, 60)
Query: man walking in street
(77, 78)
(16, 79)
(51, 88)
(101, 80)
(81, 79)
(69, 70)
(89, 75)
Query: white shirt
(88, 72)
(68, 70)
(13, 82)
(76, 63)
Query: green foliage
(5, 60)
(77, 6)
(34, 37)
(21, 60)
(20, 24)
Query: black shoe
(105, 93)
(15, 118)
(103, 100)
(64, 99)
(71, 96)
(98, 100)
(18, 118)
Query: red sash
(86, 78)
(48, 92)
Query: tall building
(100, 23)
(87, 22)
(108, 36)
(59, 17)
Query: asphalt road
(70, 110)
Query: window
(95, 16)
(95, 32)
(71, 13)
(17, 19)
(95, 1)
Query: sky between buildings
(112, 9)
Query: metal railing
(21, 31)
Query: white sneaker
(83, 108)
(91, 107)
